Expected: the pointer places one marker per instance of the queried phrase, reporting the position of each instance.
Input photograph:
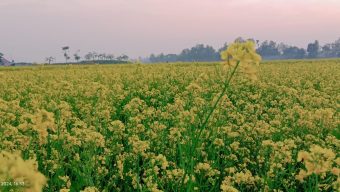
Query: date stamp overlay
(11, 185)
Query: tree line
(90, 57)
(267, 49)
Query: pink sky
(34, 29)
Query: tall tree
(77, 56)
(313, 49)
(49, 59)
(66, 49)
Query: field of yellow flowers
(142, 127)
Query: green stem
(226, 85)
(203, 126)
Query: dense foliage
(132, 127)
(269, 50)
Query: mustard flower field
(159, 127)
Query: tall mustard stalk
(240, 56)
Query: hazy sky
(34, 29)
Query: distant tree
(110, 57)
(66, 49)
(281, 47)
(336, 48)
(163, 58)
(327, 47)
(313, 49)
(326, 50)
(170, 57)
(107, 56)
(199, 52)
(50, 59)
(94, 56)
(91, 56)
(88, 56)
(100, 56)
(185, 55)
(293, 52)
(76, 57)
(1, 55)
(104, 56)
(123, 58)
(153, 58)
(268, 49)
